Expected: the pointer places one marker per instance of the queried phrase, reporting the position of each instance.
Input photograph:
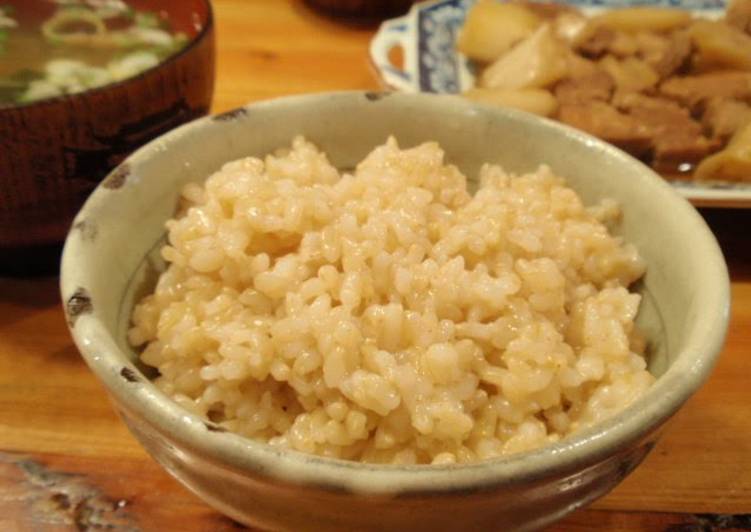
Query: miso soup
(51, 48)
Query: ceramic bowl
(111, 259)
(55, 151)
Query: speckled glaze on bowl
(111, 257)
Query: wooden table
(67, 462)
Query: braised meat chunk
(587, 83)
(605, 121)
(675, 137)
(597, 42)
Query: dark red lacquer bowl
(54, 152)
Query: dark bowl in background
(361, 10)
(54, 152)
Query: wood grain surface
(68, 463)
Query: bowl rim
(584, 449)
(66, 99)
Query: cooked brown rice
(390, 316)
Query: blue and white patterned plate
(431, 63)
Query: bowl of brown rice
(370, 311)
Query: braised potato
(738, 14)
(720, 45)
(536, 62)
(537, 101)
(731, 164)
(636, 19)
(568, 27)
(492, 28)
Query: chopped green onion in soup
(85, 44)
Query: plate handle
(395, 33)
